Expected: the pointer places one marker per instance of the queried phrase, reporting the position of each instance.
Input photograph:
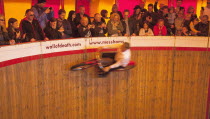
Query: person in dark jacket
(42, 14)
(51, 30)
(13, 30)
(100, 27)
(63, 25)
(128, 25)
(31, 28)
(203, 26)
(150, 16)
(85, 29)
(71, 19)
(115, 10)
(4, 38)
(80, 15)
(137, 18)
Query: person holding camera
(63, 25)
(100, 27)
(85, 29)
(42, 14)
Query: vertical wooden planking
(160, 86)
(190, 84)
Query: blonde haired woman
(4, 38)
(114, 25)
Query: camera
(181, 8)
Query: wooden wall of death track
(165, 84)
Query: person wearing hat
(42, 14)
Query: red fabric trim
(19, 60)
(152, 48)
(191, 49)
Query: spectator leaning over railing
(14, 31)
(31, 28)
(4, 38)
(160, 29)
(100, 27)
(128, 24)
(114, 25)
(42, 14)
(146, 31)
(51, 30)
(85, 29)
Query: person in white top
(122, 57)
(206, 10)
(146, 31)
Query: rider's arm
(115, 65)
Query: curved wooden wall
(167, 83)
